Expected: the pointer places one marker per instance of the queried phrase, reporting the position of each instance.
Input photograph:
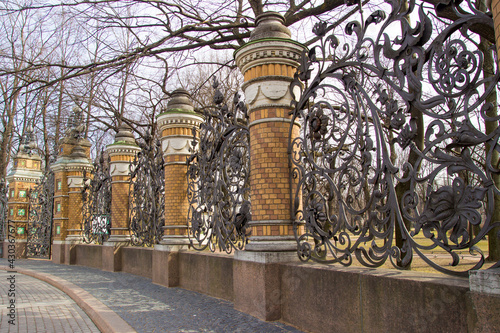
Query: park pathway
(143, 305)
(38, 307)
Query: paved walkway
(38, 307)
(145, 306)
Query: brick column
(121, 153)
(23, 177)
(80, 162)
(268, 62)
(72, 160)
(176, 125)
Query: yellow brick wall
(269, 69)
(75, 216)
(176, 201)
(177, 131)
(128, 158)
(120, 205)
(60, 198)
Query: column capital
(176, 123)
(268, 62)
(122, 151)
(268, 51)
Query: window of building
(21, 212)
(58, 207)
(22, 194)
(59, 184)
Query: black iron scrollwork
(147, 194)
(4, 190)
(41, 206)
(393, 157)
(218, 178)
(96, 197)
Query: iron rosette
(393, 158)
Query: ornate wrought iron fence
(394, 158)
(41, 205)
(218, 178)
(147, 194)
(96, 198)
(4, 208)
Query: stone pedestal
(257, 282)
(112, 256)
(166, 264)
(58, 251)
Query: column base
(112, 255)
(74, 238)
(118, 239)
(17, 248)
(182, 241)
(272, 244)
(257, 282)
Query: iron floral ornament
(96, 198)
(41, 209)
(218, 178)
(147, 194)
(393, 158)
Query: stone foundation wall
(138, 261)
(207, 273)
(89, 255)
(318, 298)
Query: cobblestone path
(152, 308)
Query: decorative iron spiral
(147, 195)
(41, 207)
(96, 195)
(218, 178)
(393, 158)
(4, 190)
